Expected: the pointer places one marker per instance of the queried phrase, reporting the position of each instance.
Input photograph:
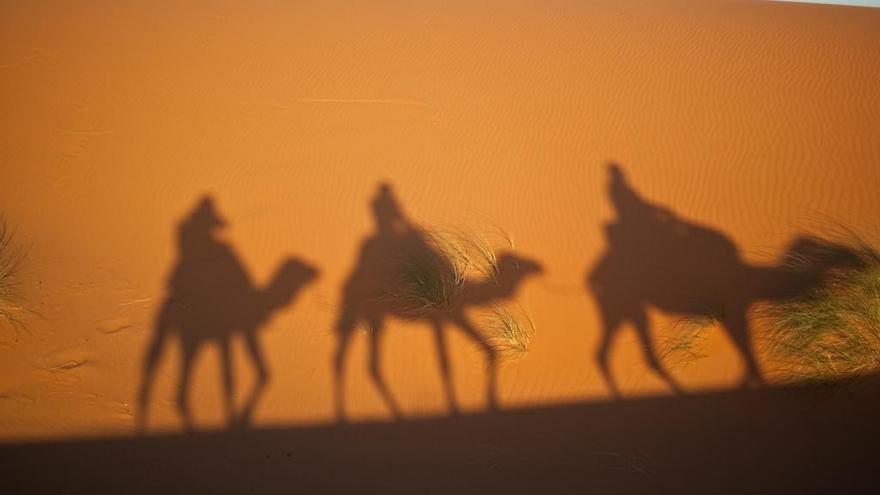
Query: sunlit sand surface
(757, 120)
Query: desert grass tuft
(425, 282)
(686, 340)
(470, 250)
(509, 330)
(832, 331)
(429, 275)
(11, 305)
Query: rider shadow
(210, 298)
(400, 273)
(654, 258)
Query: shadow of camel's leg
(738, 328)
(228, 381)
(491, 360)
(609, 328)
(187, 357)
(640, 322)
(343, 339)
(152, 360)
(375, 360)
(256, 355)
(445, 372)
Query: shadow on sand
(656, 259)
(210, 298)
(774, 440)
(401, 273)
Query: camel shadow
(400, 273)
(656, 259)
(210, 298)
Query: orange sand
(757, 119)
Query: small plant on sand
(425, 282)
(470, 250)
(11, 308)
(431, 270)
(686, 339)
(832, 331)
(509, 330)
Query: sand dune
(758, 120)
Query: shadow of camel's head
(291, 276)
(811, 254)
(509, 264)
